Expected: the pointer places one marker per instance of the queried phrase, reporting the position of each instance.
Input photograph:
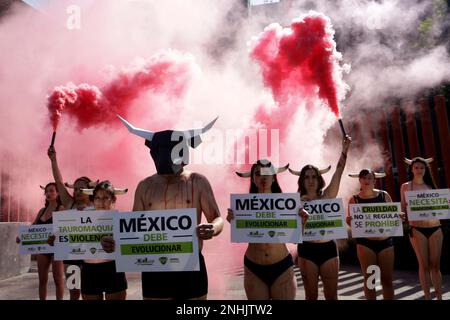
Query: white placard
(370, 220)
(157, 240)
(266, 218)
(428, 204)
(78, 234)
(326, 220)
(33, 239)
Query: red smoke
(91, 106)
(300, 61)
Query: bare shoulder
(147, 181)
(198, 176)
(405, 185)
(386, 194)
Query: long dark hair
(427, 177)
(58, 199)
(301, 180)
(274, 188)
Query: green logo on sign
(163, 260)
(93, 250)
(322, 232)
(271, 233)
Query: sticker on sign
(260, 2)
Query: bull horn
(296, 173)
(379, 175)
(282, 169)
(196, 132)
(118, 191)
(42, 187)
(93, 184)
(246, 174)
(408, 161)
(147, 135)
(88, 191)
(325, 170)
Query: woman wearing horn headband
(268, 267)
(320, 257)
(374, 251)
(78, 201)
(99, 276)
(45, 216)
(426, 236)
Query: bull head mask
(169, 148)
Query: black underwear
(427, 232)
(376, 245)
(269, 273)
(317, 252)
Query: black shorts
(73, 262)
(99, 278)
(179, 285)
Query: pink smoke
(301, 61)
(90, 106)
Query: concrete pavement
(406, 285)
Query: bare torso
(184, 190)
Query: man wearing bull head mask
(173, 187)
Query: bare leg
(58, 277)
(386, 263)
(310, 277)
(43, 264)
(329, 273)
(434, 249)
(255, 288)
(285, 286)
(420, 245)
(366, 258)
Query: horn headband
(116, 191)
(148, 135)
(91, 184)
(265, 171)
(410, 161)
(377, 175)
(321, 171)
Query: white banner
(78, 234)
(326, 220)
(370, 220)
(261, 2)
(266, 218)
(428, 204)
(33, 239)
(157, 240)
